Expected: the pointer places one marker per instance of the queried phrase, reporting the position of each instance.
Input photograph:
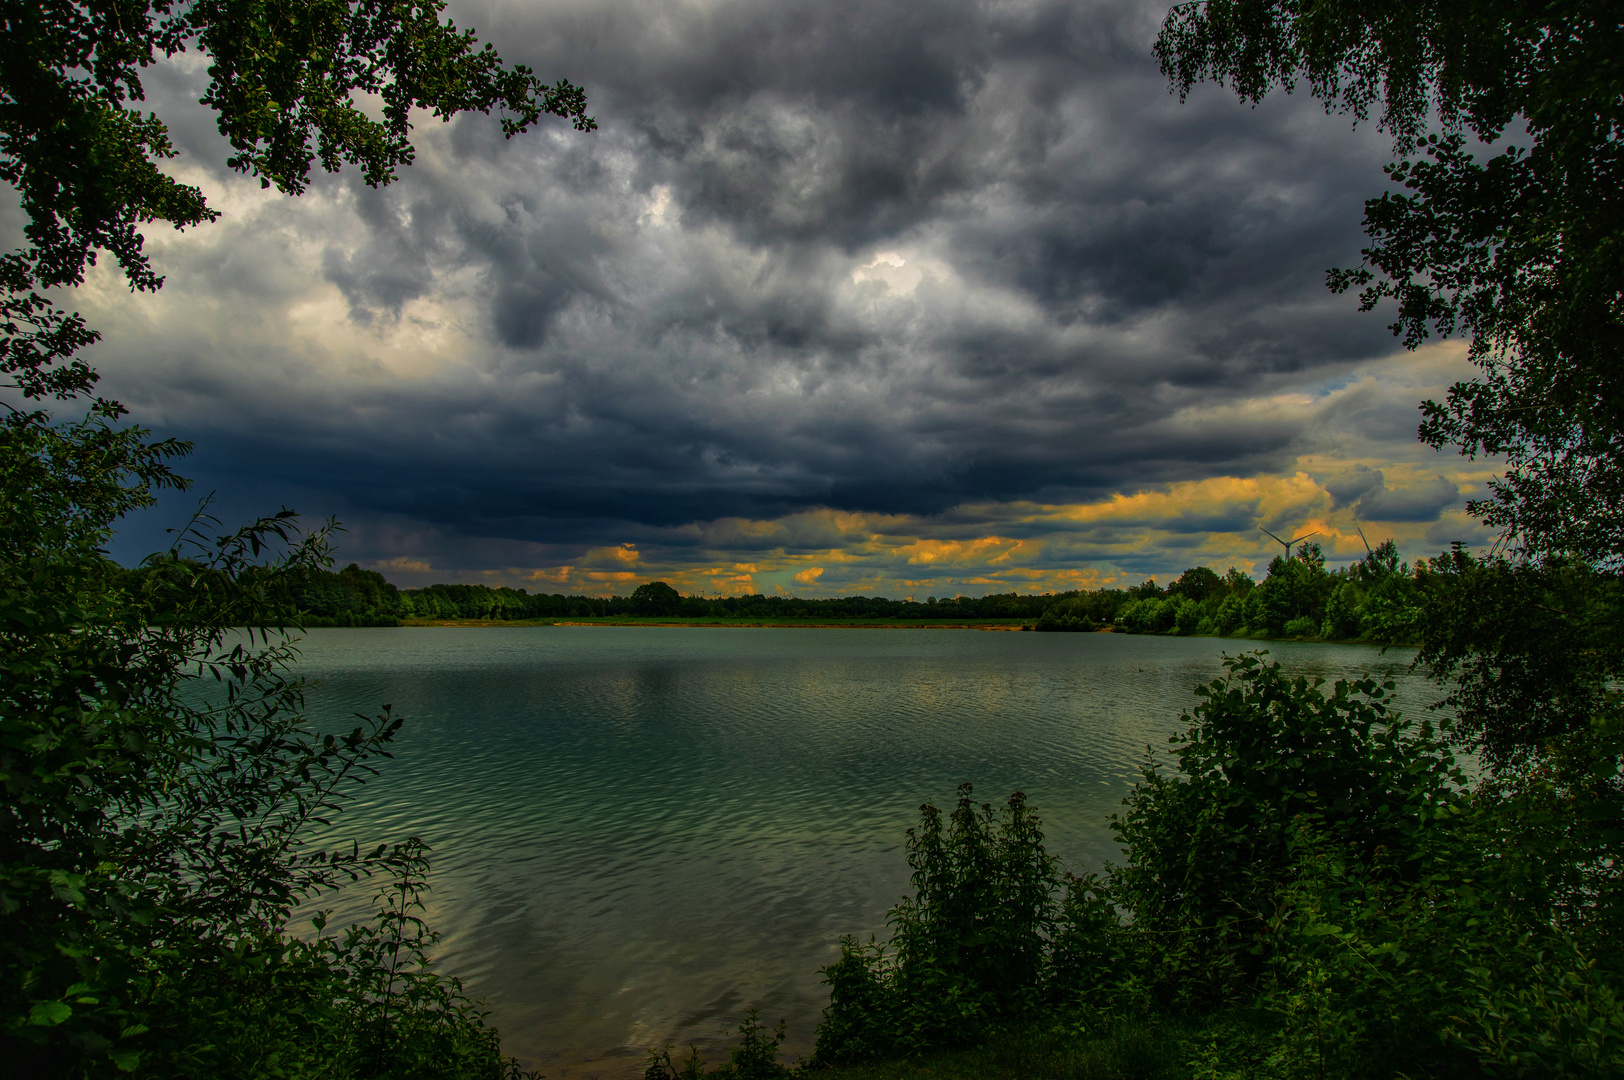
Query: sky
(844, 296)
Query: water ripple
(639, 833)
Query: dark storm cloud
(1365, 489)
(671, 320)
(1421, 502)
(1349, 488)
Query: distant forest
(1375, 598)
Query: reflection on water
(640, 832)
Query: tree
(160, 779)
(1522, 251)
(1518, 243)
(284, 82)
(1197, 583)
(656, 598)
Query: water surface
(641, 832)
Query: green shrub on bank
(969, 947)
(1311, 888)
(1301, 627)
(1377, 599)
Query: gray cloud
(1365, 489)
(659, 324)
(1351, 487)
(1422, 502)
(1462, 530)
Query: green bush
(1063, 618)
(1342, 615)
(1187, 617)
(1148, 615)
(161, 784)
(970, 947)
(1312, 889)
(1303, 627)
(1208, 846)
(753, 1057)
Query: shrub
(1064, 618)
(1147, 616)
(753, 1057)
(1312, 891)
(160, 782)
(1208, 847)
(1304, 627)
(969, 948)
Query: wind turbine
(1288, 543)
(1366, 542)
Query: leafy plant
(161, 783)
(753, 1057)
(1208, 846)
(1312, 888)
(969, 948)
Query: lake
(641, 832)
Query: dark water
(641, 832)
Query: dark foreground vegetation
(1309, 886)
(161, 781)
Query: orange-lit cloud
(402, 562)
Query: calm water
(641, 832)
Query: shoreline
(742, 624)
(1011, 625)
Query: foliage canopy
(160, 776)
(288, 83)
(1523, 251)
(161, 782)
(291, 84)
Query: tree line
(1376, 598)
(319, 597)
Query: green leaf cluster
(1309, 886)
(161, 787)
(969, 948)
(288, 82)
(1517, 243)
(1376, 599)
(753, 1057)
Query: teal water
(641, 832)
